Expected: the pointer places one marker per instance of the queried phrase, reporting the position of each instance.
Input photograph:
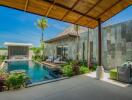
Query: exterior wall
(5, 53)
(116, 45)
(51, 48)
(18, 51)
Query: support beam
(118, 1)
(64, 7)
(47, 13)
(88, 60)
(99, 43)
(70, 10)
(89, 10)
(26, 5)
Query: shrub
(83, 63)
(3, 74)
(37, 58)
(93, 68)
(67, 70)
(84, 69)
(2, 58)
(16, 80)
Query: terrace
(76, 88)
(89, 14)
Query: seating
(125, 73)
(113, 74)
(50, 58)
(122, 73)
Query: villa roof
(69, 32)
(82, 12)
(17, 44)
(61, 37)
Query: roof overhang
(62, 37)
(17, 44)
(82, 12)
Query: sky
(19, 26)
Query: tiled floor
(107, 79)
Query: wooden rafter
(118, 1)
(45, 7)
(48, 11)
(71, 9)
(26, 5)
(89, 10)
(67, 8)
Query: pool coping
(48, 81)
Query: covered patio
(88, 13)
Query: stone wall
(51, 48)
(116, 45)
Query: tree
(76, 27)
(42, 24)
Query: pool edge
(44, 82)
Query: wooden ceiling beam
(71, 9)
(89, 10)
(118, 1)
(48, 11)
(26, 5)
(67, 8)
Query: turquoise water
(35, 71)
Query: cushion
(113, 74)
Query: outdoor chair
(125, 72)
(57, 60)
(50, 59)
(122, 73)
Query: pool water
(35, 71)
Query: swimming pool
(35, 71)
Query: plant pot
(99, 72)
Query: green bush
(83, 63)
(37, 58)
(93, 68)
(84, 69)
(16, 80)
(67, 70)
(2, 58)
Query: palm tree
(42, 24)
(76, 27)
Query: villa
(18, 50)
(116, 41)
(87, 61)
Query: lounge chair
(50, 58)
(122, 73)
(125, 72)
(57, 60)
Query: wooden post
(99, 43)
(88, 48)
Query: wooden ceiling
(82, 12)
